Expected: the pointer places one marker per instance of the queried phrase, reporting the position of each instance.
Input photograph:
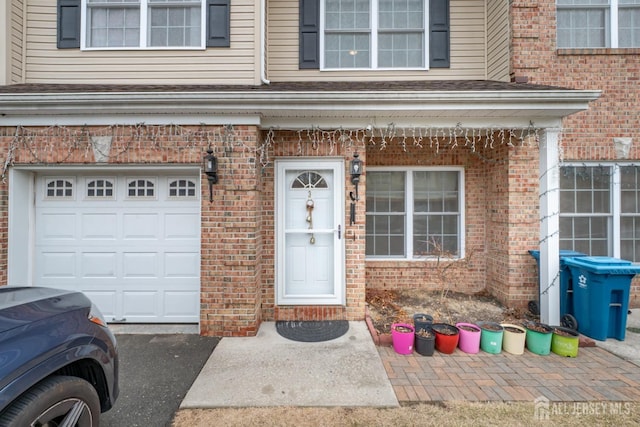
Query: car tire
(54, 401)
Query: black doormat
(312, 331)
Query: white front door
(309, 223)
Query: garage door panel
(140, 226)
(99, 265)
(137, 258)
(99, 226)
(141, 304)
(181, 304)
(138, 265)
(182, 226)
(182, 264)
(58, 265)
(57, 226)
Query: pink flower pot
(403, 336)
(470, 334)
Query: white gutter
(278, 99)
(263, 38)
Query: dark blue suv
(58, 359)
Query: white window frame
(373, 32)
(611, 37)
(144, 30)
(154, 186)
(110, 179)
(614, 226)
(188, 180)
(67, 180)
(409, 211)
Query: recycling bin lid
(603, 265)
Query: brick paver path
(595, 375)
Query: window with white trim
(182, 188)
(600, 210)
(59, 188)
(100, 188)
(141, 188)
(364, 34)
(144, 23)
(598, 23)
(414, 213)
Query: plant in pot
(513, 338)
(447, 337)
(565, 341)
(469, 340)
(403, 335)
(538, 338)
(491, 337)
(425, 341)
(422, 321)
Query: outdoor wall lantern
(356, 171)
(210, 166)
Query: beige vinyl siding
(17, 41)
(467, 48)
(235, 65)
(498, 52)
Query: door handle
(339, 231)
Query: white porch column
(549, 228)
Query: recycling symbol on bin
(582, 281)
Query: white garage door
(131, 242)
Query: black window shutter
(218, 23)
(309, 37)
(68, 32)
(439, 34)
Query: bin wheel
(568, 321)
(533, 308)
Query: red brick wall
(232, 238)
(497, 179)
(616, 72)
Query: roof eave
(277, 105)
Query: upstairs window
(378, 34)
(598, 23)
(144, 23)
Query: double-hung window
(414, 213)
(598, 23)
(144, 24)
(600, 210)
(374, 34)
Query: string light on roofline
(59, 144)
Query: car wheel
(56, 401)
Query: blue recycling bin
(601, 287)
(566, 288)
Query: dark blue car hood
(20, 306)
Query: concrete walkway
(269, 370)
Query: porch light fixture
(356, 171)
(210, 166)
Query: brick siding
(586, 136)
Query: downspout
(263, 38)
